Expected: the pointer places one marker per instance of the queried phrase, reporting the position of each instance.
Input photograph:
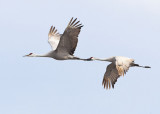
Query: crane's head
(30, 55)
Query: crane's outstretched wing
(69, 39)
(113, 72)
(110, 77)
(53, 38)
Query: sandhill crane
(63, 45)
(118, 67)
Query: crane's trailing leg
(77, 58)
(137, 65)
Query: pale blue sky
(46, 86)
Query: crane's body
(63, 45)
(119, 66)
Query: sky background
(128, 28)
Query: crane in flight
(119, 66)
(63, 45)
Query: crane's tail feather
(137, 65)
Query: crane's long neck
(111, 59)
(43, 55)
(49, 54)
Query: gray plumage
(69, 39)
(118, 67)
(63, 46)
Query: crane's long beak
(25, 56)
